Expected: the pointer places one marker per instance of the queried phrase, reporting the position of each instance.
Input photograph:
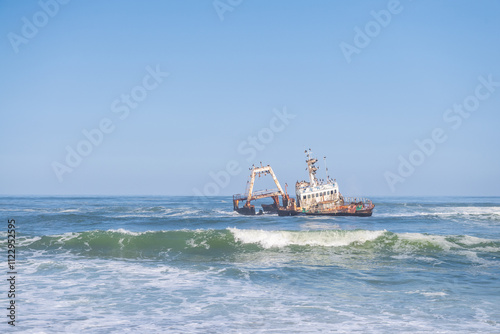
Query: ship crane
(251, 195)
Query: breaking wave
(231, 241)
(328, 238)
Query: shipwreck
(313, 197)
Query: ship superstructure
(315, 191)
(322, 197)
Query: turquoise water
(181, 265)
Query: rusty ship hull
(360, 209)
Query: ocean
(183, 265)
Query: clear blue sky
(232, 68)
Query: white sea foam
(69, 210)
(146, 212)
(474, 210)
(396, 214)
(97, 295)
(185, 212)
(436, 240)
(27, 241)
(472, 256)
(159, 212)
(434, 293)
(193, 243)
(319, 226)
(227, 213)
(487, 249)
(406, 256)
(123, 231)
(428, 293)
(465, 243)
(330, 238)
(66, 236)
(470, 240)
(468, 211)
(21, 210)
(131, 216)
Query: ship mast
(326, 171)
(311, 168)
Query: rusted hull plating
(360, 213)
(247, 210)
(358, 210)
(270, 208)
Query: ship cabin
(308, 196)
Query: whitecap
(329, 238)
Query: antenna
(326, 169)
(309, 154)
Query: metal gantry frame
(250, 195)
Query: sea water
(190, 265)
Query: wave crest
(207, 244)
(327, 238)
